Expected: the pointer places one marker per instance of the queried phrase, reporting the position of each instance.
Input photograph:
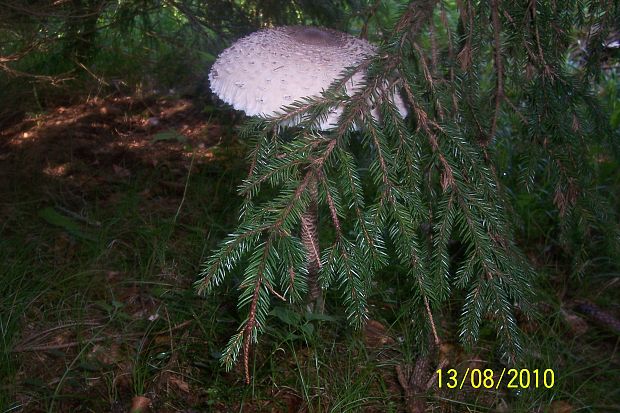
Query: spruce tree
(477, 77)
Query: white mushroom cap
(274, 67)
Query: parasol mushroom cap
(274, 67)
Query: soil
(105, 139)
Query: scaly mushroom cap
(274, 67)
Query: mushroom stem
(310, 239)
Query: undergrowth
(97, 306)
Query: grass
(97, 304)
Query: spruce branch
(499, 68)
(412, 189)
(332, 205)
(310, 239)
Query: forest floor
(107, 209)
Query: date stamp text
(491, 379)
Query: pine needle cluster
(402, 190)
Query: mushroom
(274, 67)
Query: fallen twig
(48, 347)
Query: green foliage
(402, 190)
